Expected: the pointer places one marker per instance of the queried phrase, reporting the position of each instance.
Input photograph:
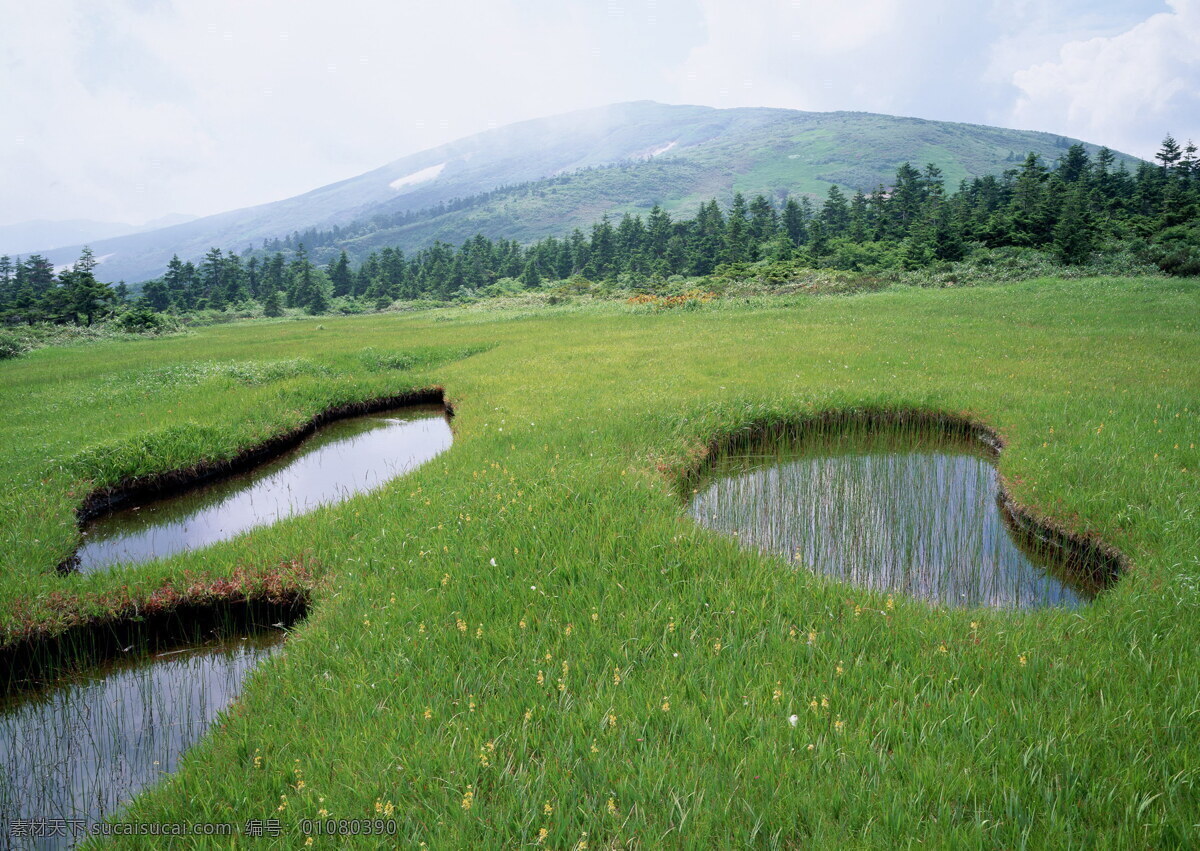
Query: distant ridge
(623, 157)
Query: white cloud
(1127, 90)
(875, 55)
(130, 109)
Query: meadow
(529, 643)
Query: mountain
(39, 235)
(26, 237)
(545, 176)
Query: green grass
(553, 533)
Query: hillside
(570, 169)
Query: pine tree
(1074, 165)
(1073, 238)
(795, 222)
(764, 221)
(530, 277)
(318, 302)
(1169, 154)
(737, 232)
(859, 217)
(658, 232)
(835, 214)
(81, 294)
(339, 274)
(212, 274)
(271, 304)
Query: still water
(339, 460)
(904, 512)
(77, 749)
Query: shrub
(1177, 250)
(141, 319)
(11, 346)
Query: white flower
(793, 719)
(493, 562)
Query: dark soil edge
(32, 662)
(1095, 561)
(173, 482)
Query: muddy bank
(34, 660)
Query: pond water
(899, 512)
(339, 460)
(80, 747)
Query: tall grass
(530, 634)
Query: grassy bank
(529, 634)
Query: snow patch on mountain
(654, 152)
(422, 176)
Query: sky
(131, 110)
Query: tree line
(1072, 208)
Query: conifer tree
(1073, 238)
(272, 305)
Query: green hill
(543, 177)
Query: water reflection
(892, 512)
(83, 746)
(341, 459)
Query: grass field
(529, 634)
